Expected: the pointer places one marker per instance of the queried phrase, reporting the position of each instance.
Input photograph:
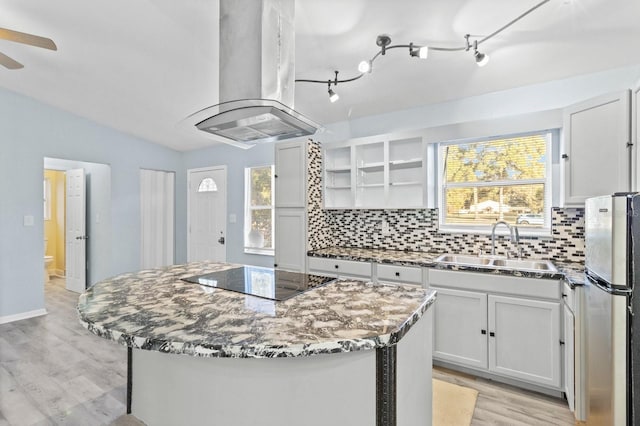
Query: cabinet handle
(275, 265)
(565, 156)
(561, 342)
(335, 266)
(275, 176)
(564, 295)
(483, 331)
(492, 334)
(397, 274)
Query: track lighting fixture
(333, 96)
(364, 66)
(383, 41)
(421, 52)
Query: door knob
(221, 240)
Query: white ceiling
(142, 67)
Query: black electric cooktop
(267, 283)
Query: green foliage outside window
(499, 179)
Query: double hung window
(504, 178)
(258, 216)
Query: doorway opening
(77, 222)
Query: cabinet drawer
(492, 283)
(340, 267)
(569, 296)
(402, 274)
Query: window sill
(259, 251)
(501, 231)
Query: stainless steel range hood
(257, 48)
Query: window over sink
(507, 178)
(259, 210)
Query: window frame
(248, 208)
(552, 138)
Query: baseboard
(23, 315)
(58, 273)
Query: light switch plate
(233, 218)
(28, 220)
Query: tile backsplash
(417, 229)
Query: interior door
(75, 234)
(157, 208)
(207, 214)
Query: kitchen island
(347, 352)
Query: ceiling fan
(24, 38)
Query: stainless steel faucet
(513, 233)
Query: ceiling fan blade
(30, 39)
(7, 62)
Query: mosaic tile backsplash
(417, 230)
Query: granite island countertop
(155, 310)
(573, 273)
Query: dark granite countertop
(155, 310)
(572, 272)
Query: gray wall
(31, 131)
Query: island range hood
(256, 86)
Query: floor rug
(453, 405)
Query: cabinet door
(524, 339)
(569, 370)
(635, 124)
(290, 182)
(460, 327)
(596, 156)
(290, 239)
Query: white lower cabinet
(290, 239)
(517, 336)
(569, 356)
(398, 274)
(460, 327)
(340, 268)
(524, 339)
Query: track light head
(364, 66)
(333, 96)
(482, 59)
(421, 52)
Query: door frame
(224, 168)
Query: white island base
(347, 388)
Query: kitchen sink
(538, 265)
(492, 262)
(462, 259)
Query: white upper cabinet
(595, 156)
(290, 171)
(375, 173)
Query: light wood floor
(54, 372)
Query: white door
(207, 214)
(596, 138)
(290, 240)
(635, 125)
(524, 339)
(569, 362)
(460, 327)
(75, 235)
(290, 162)
(157, 218)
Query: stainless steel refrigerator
(612, 238)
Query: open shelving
(376, 173)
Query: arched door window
(207, 185)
